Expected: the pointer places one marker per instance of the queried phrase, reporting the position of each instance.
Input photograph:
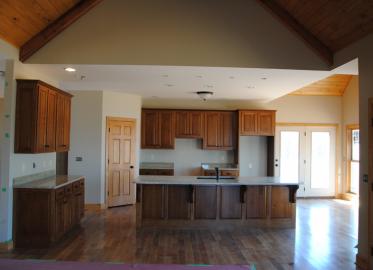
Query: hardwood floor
(324, 238)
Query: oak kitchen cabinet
(257, 122)
(220, 130)
(157, 129)
(189, 124)
(43, 215)
(42, 118)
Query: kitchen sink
(220, 178)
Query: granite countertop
(157, 165)
(52, 182)
(193, 180)
(221, 166)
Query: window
(353, 159)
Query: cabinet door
(50, 144)
(63, 123)
(227, 130)
(41, 137)
(196, 124)
(266, 123)
(182, 124)
(150, 133)
(212, 130)
(167, 130)
(248, 123)
(60, 223)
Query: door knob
(131, 167)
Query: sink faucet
(217, 172)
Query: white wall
(86, 140)
(88, 134)
(187, 156)
(180, 33)
(363, 51)
(253, 156)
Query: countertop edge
(24, 186)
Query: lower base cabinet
(44, 216)
(189, 203)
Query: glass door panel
(320, 159)
(289, 154)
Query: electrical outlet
(33, 165)
(78, 159)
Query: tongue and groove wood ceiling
(325, 25)
(20, 20)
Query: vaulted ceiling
(325, 25)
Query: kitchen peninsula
(189, 200)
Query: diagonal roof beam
(292, 24)
(56, 27)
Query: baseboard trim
(348, 196)
(6, 246)
(317, 197)
(361, 262)
(94, 207)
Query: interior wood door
(121, 134)
(41, 137)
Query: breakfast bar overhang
(192, 200)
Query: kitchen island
(191, 200)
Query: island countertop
(194, 180)
(52, 182)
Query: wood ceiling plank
(53, 29)
(334, 85)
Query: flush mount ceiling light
(204, 95)
(70, 69)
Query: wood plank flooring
(324, 238)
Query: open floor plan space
(326, 231)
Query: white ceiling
(180, 82)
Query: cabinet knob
(47, 145)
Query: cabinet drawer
(60, 193)
(230, 173)
(68, 190)
(78, 186)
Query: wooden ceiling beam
(55, 28)
(292, 24)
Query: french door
(307, 154)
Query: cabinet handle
(47, 145)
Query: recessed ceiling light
(231, 77)
(169, 85)
(264, 78)
(164, 75)
(199, 76)
(70, 69)
(250, 87)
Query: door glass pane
(355, 145)
(289, 155)
(354, 177)
(320, 159)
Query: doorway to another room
(120, 158)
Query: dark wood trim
(55, 28)
(292, 24)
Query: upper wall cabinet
(189, 124)
(220, 130)
(41, 118)
(260, 123)
(157, 129)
